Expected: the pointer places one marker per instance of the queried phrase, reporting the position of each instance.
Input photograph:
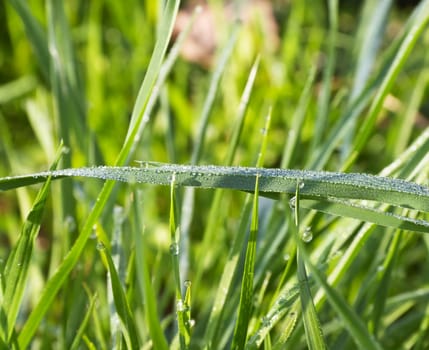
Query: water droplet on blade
(174, 249)
(292, 203)
(100, 246)
(307, 235)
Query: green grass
(171, 216)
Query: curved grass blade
(272, 181)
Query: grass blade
(144, 280)
(246, 294)
(313, 330)
(18, 263)
(129, 330)
(272, 181)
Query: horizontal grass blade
(321, 184)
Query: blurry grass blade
(35, 33)
(323, 103)
(211, 94)
(18, 263)
(272, 182)
(143, 278)
(188, 197)
(17, 88)
(164, 33)
(298, 120)
(129, 329)
(215, 208)
(246, 293)
(421, 18)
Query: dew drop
(286, 257)
(187, 283)
(191, 323)
(180, 306)
(174, 249)
(292, 203)
(100, 246)
(265, 321)
(307, 235)
(301, 185)
(70, 223)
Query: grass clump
(266, 256)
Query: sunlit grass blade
(246, 294)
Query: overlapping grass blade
(419, 22)
(129, 330)
(351, 320)
(313, 330)
(246, 294)
(18, 263)
(214, 215)
(58, 279)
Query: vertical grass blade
(189, 194)
(313, 330)
(128, 328)
(246, 294)
(143, 278)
